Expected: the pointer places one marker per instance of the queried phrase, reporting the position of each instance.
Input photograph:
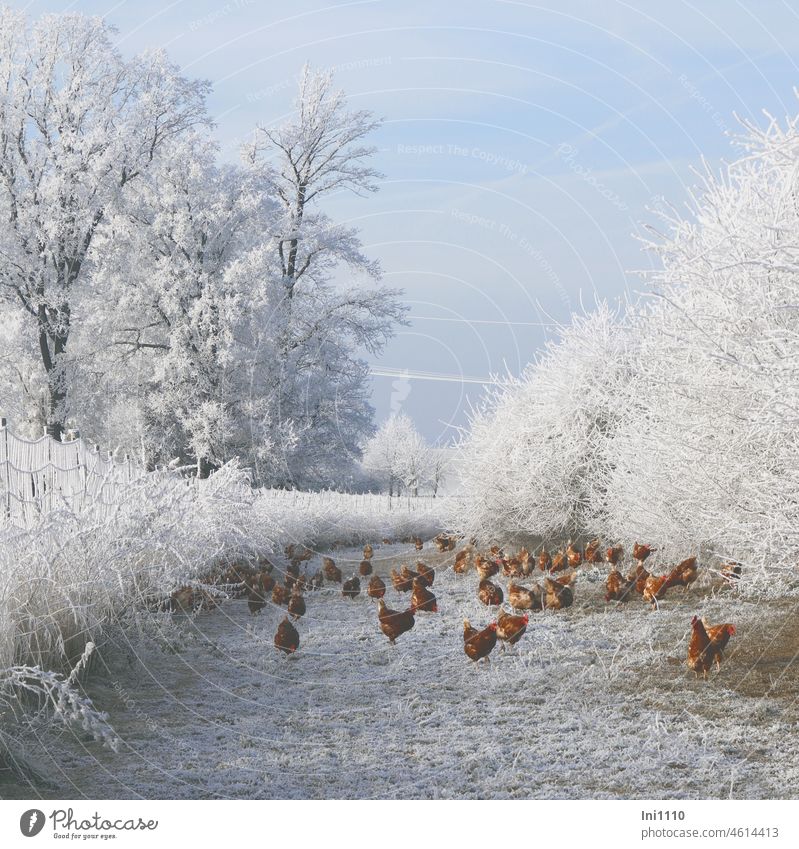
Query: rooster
(376, 588)
(559, 594)
(613, 555)
(351, 588)
(520, 598)
(394, 623)
(287, 639)
(489, 593)
(422, 598)
(510, 628)
(365, 568)
(707, 645)
(479, 644)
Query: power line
(386, 371)
(485, 321)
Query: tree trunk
(53, 361)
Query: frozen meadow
(594, 702)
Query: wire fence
(38, 476)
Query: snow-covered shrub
(708, 449)
(533, 462)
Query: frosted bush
(533, 461)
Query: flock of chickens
(259, 584)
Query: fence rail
(38, 476)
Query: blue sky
(522, 145)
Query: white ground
(594, 702)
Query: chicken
(400, 583)
(619, 588)
(511, 628)
(558, 563)
(489, 593)
(707, 645)
(394, 623)
(351, 588)
(520, 598)
(318, 580)
(655, 588)
(639, 577)
(287, 638)
(641, 552)
(684, 574)
(280, 595)
(485, 568)
(296, 606)
(376, 588)
(444, 542)
(331, 571)
(479, 644)
(544, 560)
(365, 568)
(422, 598)
(183, 599)
(419, 545)
(731, 571)
(463, 560)
(719, 636)
(427, 574)
(593, 552)
(368, 552)
(256, 600)
(527, 562)
(614, 555)
(559, 594)
(574, 557)
(267, 582)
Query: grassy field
(595, 701)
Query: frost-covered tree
(182, 304)
(398, 456)
(79, 125)
(315, 324)
(709, 452)
(534, 462)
